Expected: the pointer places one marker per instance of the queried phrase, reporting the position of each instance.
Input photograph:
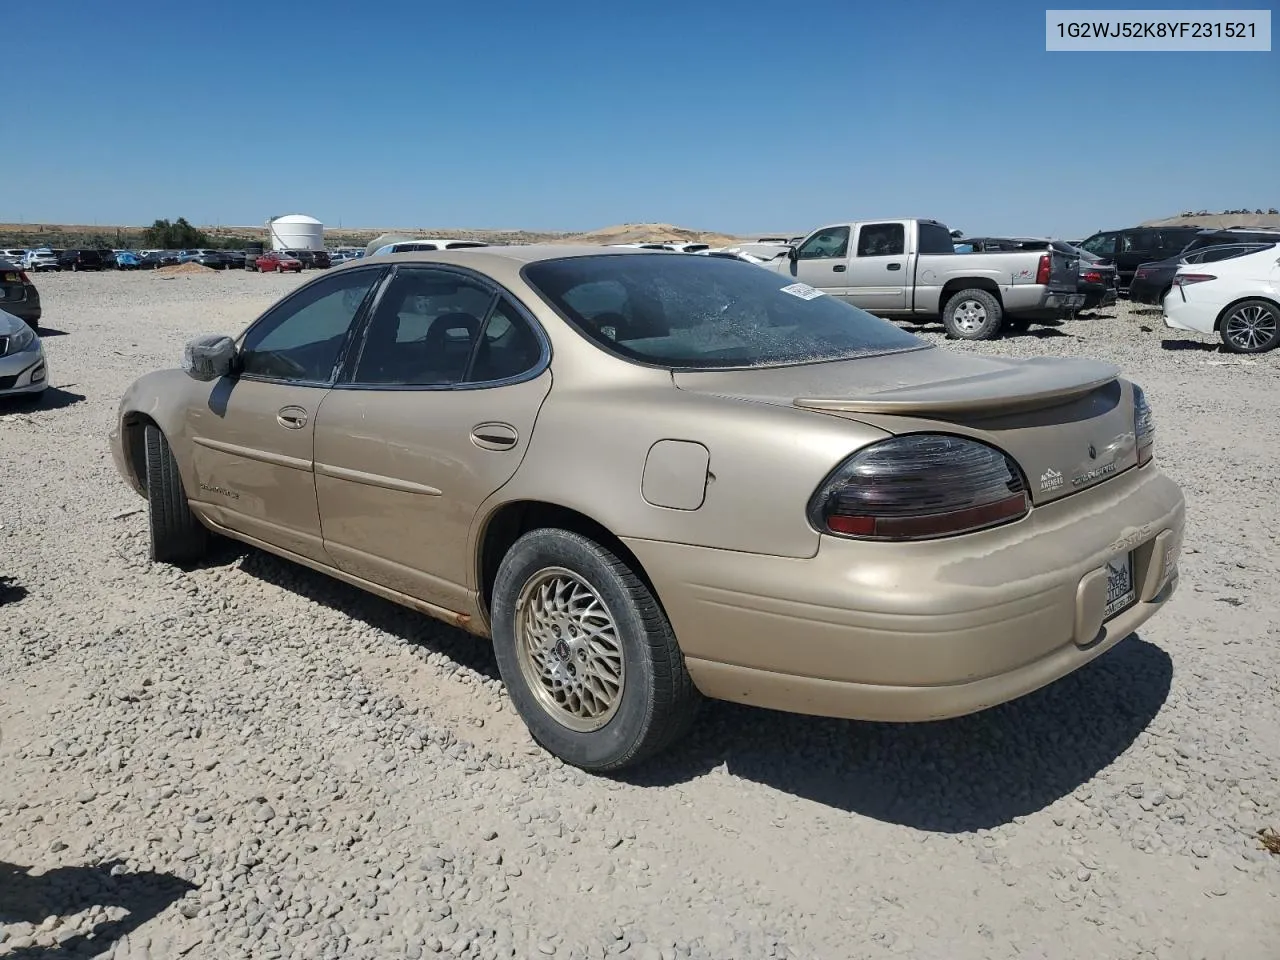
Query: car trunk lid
(1067, 422)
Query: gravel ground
(250, 760)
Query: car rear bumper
(921, 631)
(1142, 290)
(1180, 314)
(1048, 305)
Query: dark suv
(77, 260)
(1127, 249)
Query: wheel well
(133, 435)
(1217, 324)
(953, 287)
(513, 520)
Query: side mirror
(793, 252)
(209, 357)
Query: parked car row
(47, 259)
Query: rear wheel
(587, 654)
(1251, 326)
(973, 315)
(176, 535)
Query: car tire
(649, 701)
(1250, 326)
(177, 536)
(973, 315)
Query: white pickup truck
(909, 268)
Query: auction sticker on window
(803, 291)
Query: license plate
(1120, 591)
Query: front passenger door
(822, 261)
(251, 434)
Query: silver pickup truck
(909, 268)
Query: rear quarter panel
(590, 446)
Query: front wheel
(587, 654)
(1251, 326)
(973, 315)
(176, 535)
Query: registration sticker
(803, 291)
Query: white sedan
(1239, 299)
(22, 366)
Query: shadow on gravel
(53, 398)
(1191, 345)
(46, 332)
(65, 891)
(949, 776)
(11, 591)
(409, 625)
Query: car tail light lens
(918, 487)
(1144, 426)
(1042, 271)
(1140, 273)
(1094, 277)
(1187, 279)
(22, 277)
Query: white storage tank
(295, 232)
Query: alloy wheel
(568, 648)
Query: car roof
(519, 254)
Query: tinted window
(704, 312)
(826, 244)
(507, 348)
(424, 330)
(883, 240)
(935, 238)
(300, 340)
(1103, 244)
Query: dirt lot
(249, 760)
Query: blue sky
(735, 116)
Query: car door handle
(295, 418)
(494, 436)
(839, 268)
(894, 266)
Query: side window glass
(508, 347)
(424, 329)
(1103, 245)
(301, 339)
(826, 244)
(882, 240)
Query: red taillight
(1042, 272)
(1187, 279)
(1139, 272)
(1097, 277)
(22, 277)
(919, 486)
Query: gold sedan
(651, 477)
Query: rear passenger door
(822, 260)
(878, 271)
(435, 415)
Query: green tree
(179, 235)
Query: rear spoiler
(1034, 383)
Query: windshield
(703, 312)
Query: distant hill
(70, 235)
(1220, 221)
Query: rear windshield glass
(700, 312)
